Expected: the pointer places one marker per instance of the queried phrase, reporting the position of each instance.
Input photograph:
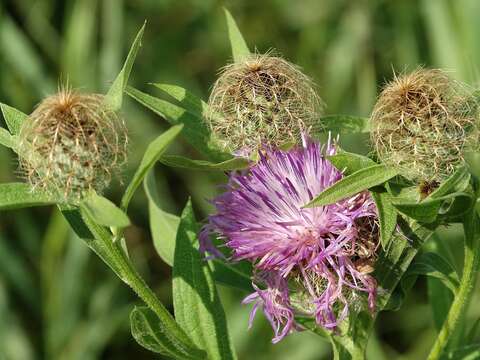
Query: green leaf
(196, 302)
(189, 102)
(175, 342)
(7, 140)
(114, 96)
(350, 162)
(154, 151)
(196, 131)
(163, 225)
(427, 210)
(343, 124)
(20, 195)
(473, 161)
(145, 330)
(164, 228)
(458, 182)
(104, 212)
(13, 117)
(387, 215)
(434, 265)
(186, 163)
(239, 46)
(352, 184)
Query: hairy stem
(112, 253)
(463, 295)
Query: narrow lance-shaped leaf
(147, 332)
(114, 96)
(189, 102)
(352, 184)
(387, 216)
(164, 228)
(196, 302)
(434, 265)
(163, 225)
(427, 210)
(13, 117)
(152, 154)
(186, 163)
(350, 162)
(7, 140)
(104, 212)
(343, 124)
(196, 131)
(20, 195)
(455, 183)
(239, 46)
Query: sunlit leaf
(387, 216)
(154, 151)
(189, 102)
(13, 117)
(104, 212)
(186, 163)
(20, 195)
(196, 131)
(352, 184)
(163, 225)
(342, 124)
(7, 140)
(147, 332)
(196, 302)
(239, 46)
(114, 96)
(350, 162)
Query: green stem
(463, 295)
(112, 253)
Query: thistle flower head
(261, 100)
(423, 122)
(72, 143)
(314, 261)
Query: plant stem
(467, 283)
(112, 253)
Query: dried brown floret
(423, 123)
(72, 143)
(263, 100)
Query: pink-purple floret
(261, 218)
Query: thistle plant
(319, 239)
(423, 123)
(311, 261)
(72, 143)
(261, 99)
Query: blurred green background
(57, 300)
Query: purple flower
(310, 261)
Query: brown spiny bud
(72, 143)
(263, 100)
(423, 123)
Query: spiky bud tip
(72, 143)
(422, 124)
(263, 100)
